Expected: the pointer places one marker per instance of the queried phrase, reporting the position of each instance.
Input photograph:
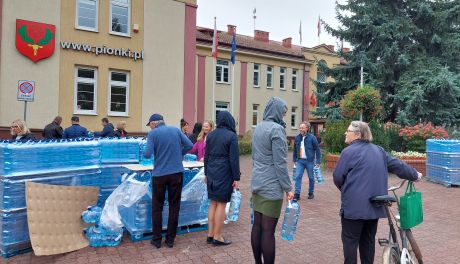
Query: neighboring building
(124, 59)
(263, 68)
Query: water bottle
(235, 203)
(92, 214)
(145, 161)
(252, 211)
(291, 216)
(318, 174)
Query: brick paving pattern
(317, 239)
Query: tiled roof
(204, 35)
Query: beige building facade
(121, 59)
(127, 59)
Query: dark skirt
(270, 208)
(219, 193)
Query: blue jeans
(301, 166)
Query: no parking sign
(26, 91)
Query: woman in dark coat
(222, 170)
(120, 132)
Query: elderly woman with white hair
(20, 132)
(362, 172)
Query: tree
(411, 53)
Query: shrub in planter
(415, 136)
(379, 135)
(333, 136)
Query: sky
(279, 17)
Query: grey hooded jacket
(270, 177)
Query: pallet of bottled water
(443, 161)
(193, 215)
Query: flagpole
(233, 88)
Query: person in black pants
(169, 145)
(362, 172)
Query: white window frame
(294, 115)
(294, 80)
(118, 83)
(283, 73)
(128, 33)
(87, 81)
(219, 108)
(256, 112)
(77, 26)
(222, 71)
(258, 75)
(270, 72)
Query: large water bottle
(291, 216)
(235, 203)
(252, 211)
(92, 214)
(318, 174)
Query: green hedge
(245, 143)
(334, 135)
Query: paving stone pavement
(317, 239)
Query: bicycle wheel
(390, 255)
(414, 250)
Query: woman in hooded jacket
(222, 170)
(270, 179)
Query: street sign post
(26, 92)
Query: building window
(221, 106)
(222, 71)
(256, 75)
(120, 17)
(294, 79)
(269, 76)
(119, 93)
(282, 75)
(87, 14)
(255, 114)
(321, 76)
(294, 117)
(85, 101)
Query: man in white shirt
(306, 155)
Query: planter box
(331, 161)
(418, 164)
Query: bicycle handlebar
(399, 185)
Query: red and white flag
(215, 41)
(319, 25)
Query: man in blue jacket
(107, 131)
(75, 130)
(168, 145)
(306, 155)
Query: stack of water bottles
(142, 160)
(137, 219)
(77, 162)
(63, 162)
(443, 161)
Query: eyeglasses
(14, 126)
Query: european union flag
(233, 48)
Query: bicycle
(406, 251)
